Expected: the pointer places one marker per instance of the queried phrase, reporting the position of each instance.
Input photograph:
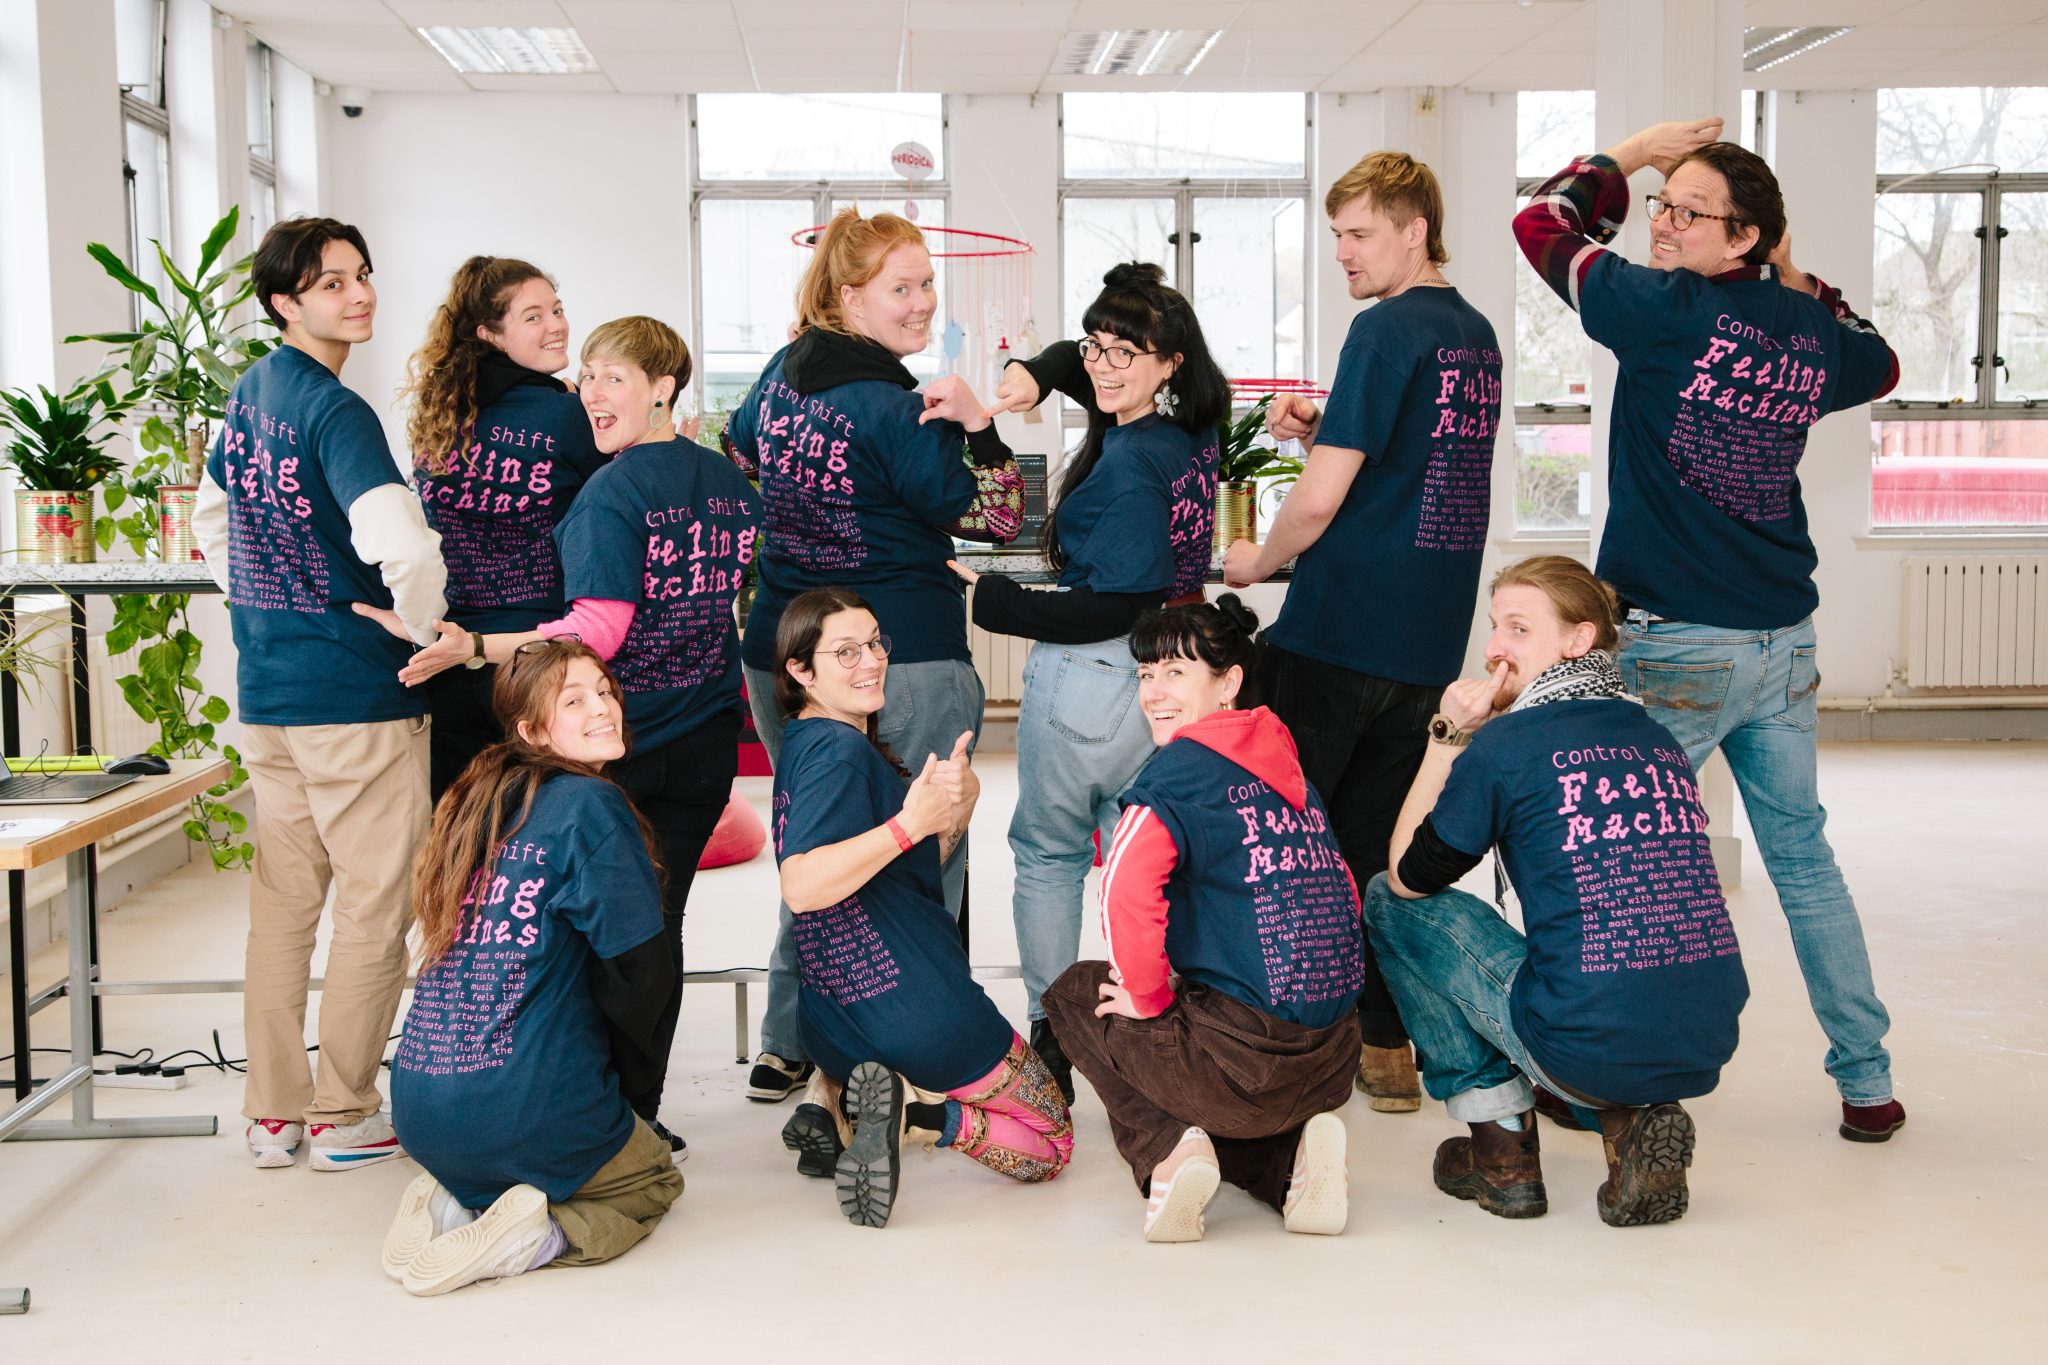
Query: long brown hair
(849, 251)
(802, 626)
(489, 803)
(440, 377)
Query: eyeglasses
(1120, 357)
(542, 646)
(1681, 216)
(849, 655)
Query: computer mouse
(146, 765)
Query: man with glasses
(1727, 355)
(1389, 520)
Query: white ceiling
(1006, 46)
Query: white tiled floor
(1799, 1246)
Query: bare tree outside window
(1553, 355)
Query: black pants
(1250, 1080)
(680, 789)
(464, 724)
(1361, 740)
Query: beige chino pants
(342, 807)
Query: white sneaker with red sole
(275, 1142)
(345, 1146)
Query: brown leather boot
(1500, 1169)
(1387, 1076)
(1647, 1153)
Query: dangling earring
(655, 420)
(1164, 401)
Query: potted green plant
(183, 359)
(1246, 457)
(55, 444)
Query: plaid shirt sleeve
(1864, 334)
(1563, 229)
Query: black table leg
(81, 743)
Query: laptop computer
(59, 789)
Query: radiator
(1977, 621)
(1000, 661)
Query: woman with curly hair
(500, 447)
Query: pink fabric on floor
(1013, 1120)
(600, 622)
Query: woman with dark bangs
(1128, 531)
(1222, 1033)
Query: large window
(261, 209)
(1553, 355)
(1212, 188)
(145, 135)
(768, 168)
(1961, 293)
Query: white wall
(593, 189)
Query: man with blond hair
(1389, 521)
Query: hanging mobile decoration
(913, 161)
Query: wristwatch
(476, 658)
(1442, 730)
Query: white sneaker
(425, 1211)
(1181, 1189)
(503, 1241)
(275, 1142)
(345, 1146)
(1319, 1191)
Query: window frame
(153, 115)
(1184, 191)
(819, 193)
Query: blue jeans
(929, 704)
(1080, 741)
(1450, 960)
(1750, 694)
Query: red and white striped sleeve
(1142, 855)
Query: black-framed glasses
(849, 655)
(1120, 357)
(542, 646)
(1681, 216)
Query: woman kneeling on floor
(538, 901)
(1224, 873)
(1622, 998)
(887, 1000)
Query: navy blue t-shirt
(1142, 519)
(1721, 378)
(1388, 588)
(1634, 981)
(499, 502)
(857, 495)
(504, 1076)
(669, 526)
(884, 977)
(1260, 906)
(297, 449)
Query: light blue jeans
(1080, 741)
(1450, 961)
(1750, 694)
(928, 705)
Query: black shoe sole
(1867, 1135)
(811, 1134)
(1517, 1201)
(866, 1173)
(1653, 1188)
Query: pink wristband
(903, 840)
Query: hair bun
(1135, 275)
(1238, 614)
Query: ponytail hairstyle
(440, 377)
(796, 638)
(1137, 305)
(1575, 592)
(1217, 633)
(490, 801)
(848, 251)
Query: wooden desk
(90, 822)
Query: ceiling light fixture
(1134, 52)
(1764, 48)
(512, 51)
